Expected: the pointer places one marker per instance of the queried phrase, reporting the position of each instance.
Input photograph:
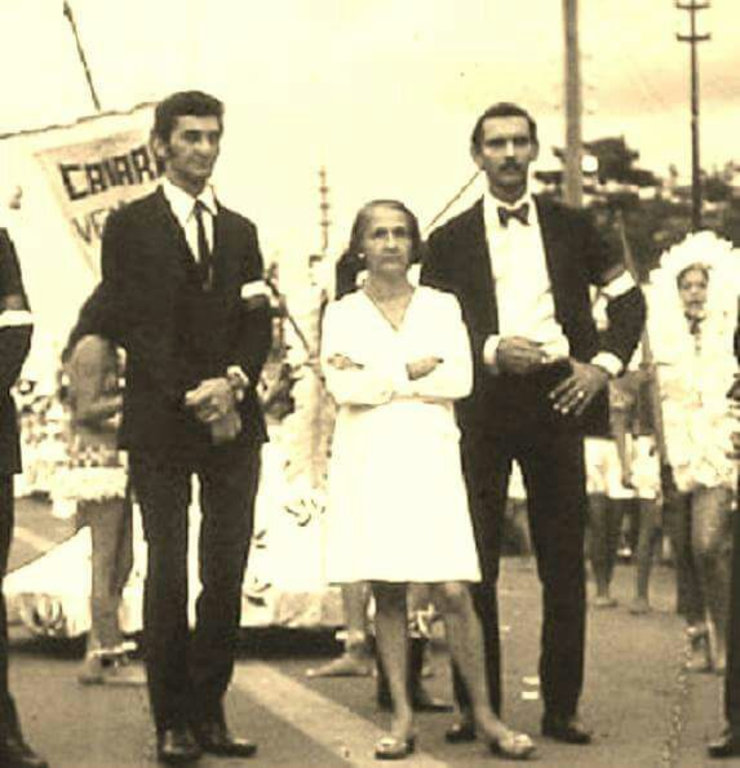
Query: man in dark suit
(15, 339)
(183, 280)
(521, 268)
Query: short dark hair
(503, 109)
(185, 103)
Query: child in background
(640, 466)
(96, 479)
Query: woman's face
(387, 241)
(692, 288)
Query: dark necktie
(521, 214)
(695, 330)
(204, 252)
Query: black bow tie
(521, 214)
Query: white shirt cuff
(621, 284)
(13, 318)
(255, 289)
(609, 362)
(490, 347)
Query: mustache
(510, 165)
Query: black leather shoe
(177, 746)
(725, 745)
(15, 753)
(567, 729)
(461, 732)
(214, 737)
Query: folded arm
(350, 381)
(452, 376)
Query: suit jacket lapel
(226, 244)
(554, 241)
(481, 261)
(222, 232)
(173, 235)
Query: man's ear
(159, 148)
(476, 155)
(535, 150)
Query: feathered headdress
(706, 250)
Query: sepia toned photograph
(370, 384)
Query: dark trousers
(188, 674)
(8, 719)
(550, 454)
(732, 676)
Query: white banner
(90, 178)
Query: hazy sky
(384, 92)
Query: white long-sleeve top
(356, 329)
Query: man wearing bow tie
(185, 299)
(521, 267)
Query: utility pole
(693, 39)
(81, 53)
(573, 107)
(324, 206)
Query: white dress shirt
(523, 292)
(524, 297)
(183, 206)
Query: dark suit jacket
(15, 341)
(458, 261)
(176, 334)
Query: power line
(451, 202)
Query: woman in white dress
(395, 358)
(693, 351)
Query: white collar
(182, 203)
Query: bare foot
(604, 601)
(699, 663)
(640, 606)
(503, 741)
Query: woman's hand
(423, 366)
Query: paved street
(645, 711)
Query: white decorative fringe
(90, 483)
